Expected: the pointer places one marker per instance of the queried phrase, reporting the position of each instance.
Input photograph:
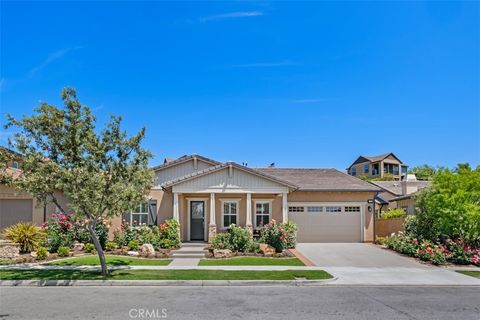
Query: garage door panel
(327, 227)
(15, 210)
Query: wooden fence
(385, 227)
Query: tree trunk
(101, 255)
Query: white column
(212, 209)
(249, 209)
(284, 207)
(176, 214)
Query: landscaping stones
(9, 249)
(77, 246)
(225, 253)
(266, 249)
(147, 249)
(133, 253)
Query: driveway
(367, 264)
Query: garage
(327, 222)
(15, 210)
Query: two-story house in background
(379, 167)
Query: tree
(423, 172)
(102, 173)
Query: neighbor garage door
(15, 210)
(327, 222)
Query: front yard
(252, 261)
(111, 260)
(163, 275)
(475, 274)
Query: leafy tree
(103, 173)
(451, 207)
(423, 172)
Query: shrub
(42, 253)
(291, 239)
(82, 235)
(27, 235)
(239, 238)
(133, 245)
(221, 241)
(63, 251)
(170, 230)
(392, 214)
(253, 247)
(165, 236)
(90, 247)
(273, 235)
(60, 231)
(111, 245)
(126, 234)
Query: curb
(181, 283)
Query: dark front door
(197, 220)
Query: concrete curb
(166, 283)
(168, 267)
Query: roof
(223, 166)
(421, 185)
(184, 158)
(394, 187)
(380, 200)
(375, 158)
(317, 179)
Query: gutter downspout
(374, 217)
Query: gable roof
(394, 187)
(380, 157)
(222, 166)
(183, 159)
(320, 179)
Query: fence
(385, 227)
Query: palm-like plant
(27, 235)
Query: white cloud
(53, 57)
(231, 15)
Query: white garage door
(320, 222)
(15, 210)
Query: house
(18, 206)
(378, 167)
(398, 194)
(206, 196)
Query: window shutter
(152, 212)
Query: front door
(197, 220)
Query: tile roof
(320, 179)
(184, 159)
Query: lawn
(111, 260)
(162, 275)
(252, 261)
(475, 274)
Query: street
(328, 302)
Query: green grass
(475, 274)
(6, 261)
(111, 260)
(252, 261)
(162, 275)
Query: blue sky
(301, 84)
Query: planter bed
(163, 275)
(251, 261)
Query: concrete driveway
(367, 264)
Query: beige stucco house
(378, 166)
(206, 196)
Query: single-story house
(206, 196)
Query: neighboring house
(378, 167)
(398, 194)
(206, 196)
(17, 206)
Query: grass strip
(475, 274)
(111, 260)
(252, 261)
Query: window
(333, 209)
(366, 168)
(391, 168)
(314, 209)
(404, 170)
(296, 209)
(375, 169)
(262, 213)
(15, 165)
(139, 216)
(353, 171)
(352, 209)
(229, 213)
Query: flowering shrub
(221, 241)
(291, 238)
(274, 235)
(165, 236)
(436, 253)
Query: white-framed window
(263, 212)
(139, 216)
(314, 209)
(352, 209)
(229, 212)
(296, 209)
(366, 168)
(15, 165)
(333, 209)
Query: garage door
(327, 222)
(15, 210)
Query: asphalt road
(326, 302)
